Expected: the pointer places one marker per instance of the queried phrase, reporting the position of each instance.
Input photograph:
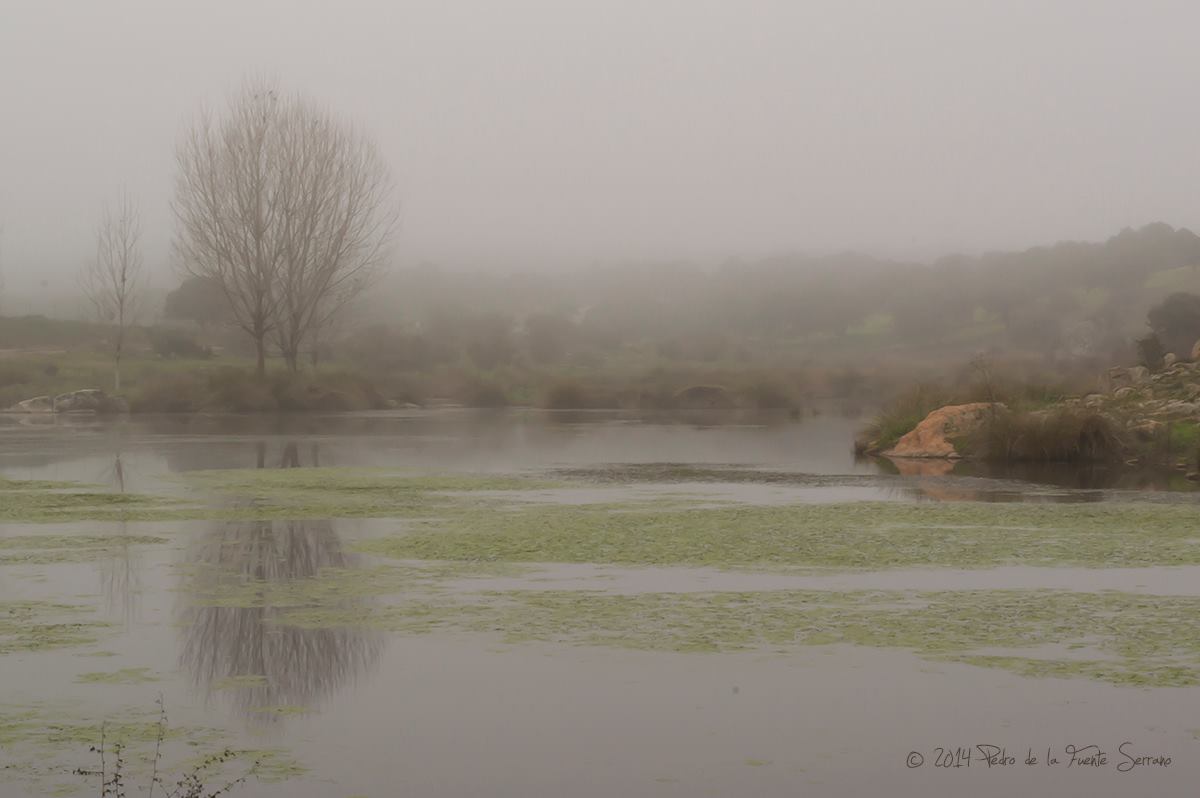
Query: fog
(546, 135)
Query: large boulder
(1138, 375)
(932, 437)
(1196, 351)
(1176, 408)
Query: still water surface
(450, 714)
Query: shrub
(14, 374)
(767, 394)
(567, 395)
(1176, 322)
(1150, 352)
(170, 343)
(170, 393)
(901, 416)
(235, 390)
(1064, 435)
(574, 395)
(484, 393)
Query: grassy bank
(228, 384)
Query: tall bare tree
(112, 281)
(286, 208)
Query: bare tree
(343, 217)
(113, 281)
(284, 207)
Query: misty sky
(552, 131)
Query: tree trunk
(117, 364)
(261, 345)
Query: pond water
(390, 707)
(811, 457)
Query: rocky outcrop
(90, 401)
(933, 436)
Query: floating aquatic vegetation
(52, 549)
(1137, 639)
(50, 747)
(242, 682)
(40, 626)
(858, 535)
(123, 676)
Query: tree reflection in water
(222, 646)
(120, 574)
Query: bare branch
(284, 207)
(113, 281)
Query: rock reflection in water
(225, 647)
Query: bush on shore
(1060, 435)
(233, 390)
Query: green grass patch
(1185, 437)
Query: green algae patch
(268, 494)
(52, 549)
(45, 747)
(285, 709)
(41, 506)
(330, 587)
(123, 676)
(243, 682)
(1142, 640)
(273, 765)
(357, 480)
(27, 626)
(667, 473)
(876, 535)
(354, 492)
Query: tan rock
(1147, 430)
(931, 437)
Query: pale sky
(556, 132)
